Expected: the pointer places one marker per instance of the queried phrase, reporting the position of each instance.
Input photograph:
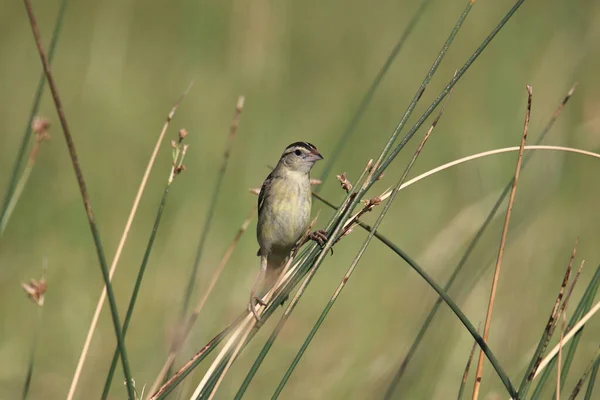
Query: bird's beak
(314, 156)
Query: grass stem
(84, 196)
(488, 317)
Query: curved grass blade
(582, 308)
(14, 177)
(357, 196)
(366, 100)
(467, 254)
(84, 196)
(430, 281)
(353, 264)
(354, 197)
(438, 289)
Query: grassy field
(303, 68)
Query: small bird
(284, 205)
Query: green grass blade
(583, 307)
(421, 90)
(430, 281)
(84, 196)
(14, 177)
(547, 333)
(593, 365)
(179, 151)
(16, 195)
(366, 100)
(31, 362)
(446, 298)
(445, 91)
(467, 254)
(354, 197)
(136, 289)
(575, 341)
(593, 375)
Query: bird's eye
(298, 152)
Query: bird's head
(300, 156)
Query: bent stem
(462, 262)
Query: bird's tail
(274, 269)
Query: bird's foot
(320, 237)
(252, 307)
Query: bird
(284, 207)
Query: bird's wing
(263, 192)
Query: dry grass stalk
(121, 245)
(488, 318)
(552, 353)
(189, 364)
(487, 154)
(468, 366)
(344, 182)
(559, 307)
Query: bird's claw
(254, 301)
(320, 237)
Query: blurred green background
(303, 67)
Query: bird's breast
(287, 214)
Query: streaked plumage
(284, 206)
